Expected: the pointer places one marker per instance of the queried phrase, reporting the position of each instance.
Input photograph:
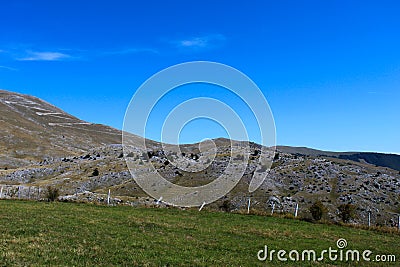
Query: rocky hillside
(33, 130)
(293, 180)
(42, 145)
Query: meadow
(77, 234)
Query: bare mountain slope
(34, 130)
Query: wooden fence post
(398, 222)
(202, 205)
(369, 218)
(108, 196)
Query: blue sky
(329, 70)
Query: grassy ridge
(64, 234)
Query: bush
(346, 212)
(52, 193)
(317, 210)
(275, 164)
(95, 172)
(226, 206)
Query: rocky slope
(33, 130)
(42, 145)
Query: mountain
(379, 159)
(43, 146)
(33, 130)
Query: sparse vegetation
(346, 212)
(52, 193)
(317, 210)
(275, 164)
(226, 205)
(95, 172)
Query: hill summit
(33, 130)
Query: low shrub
(52, 193)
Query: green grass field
(67, 234)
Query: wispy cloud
(20, 52)
(8, 68)
(126, 51)
(198, 42)
(44, 56)
(380, 93)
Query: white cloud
(26, 54)
(205, 41)
(8, 68)
(44, 56)
(198, 41)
